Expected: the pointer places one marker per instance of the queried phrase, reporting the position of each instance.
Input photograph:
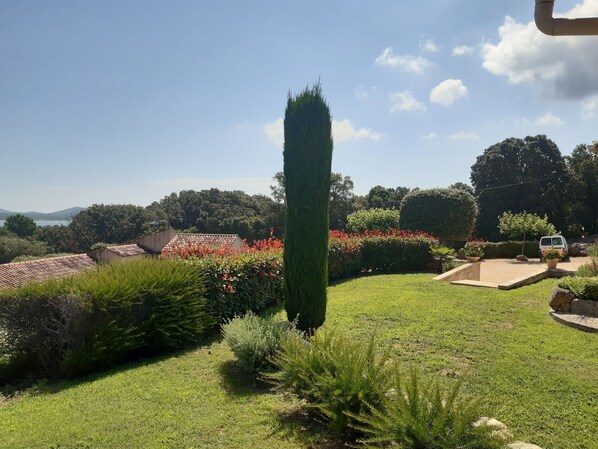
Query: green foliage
(12, 246)
(385, 198)
(20, 225)
(216, 211)
(57, 238)
(395, 254)
(552, 253)
(449, 214)
(591, 268)
(342, 199)
(581, 287)
(112, 223)
(524, 225)
(582, 166)
(104, 316)
(442, 254)
(419, 415)
(474, 249)
(344, 258)
(520, 175)
(336, 374)
(255, 340)
(307, 162)
(507, 250)
(239, 284)
(373, 219)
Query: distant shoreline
(45, 222)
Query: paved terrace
(506, 274)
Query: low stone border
(574, 312)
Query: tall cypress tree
(307, 165)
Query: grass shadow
(37, 386)
(295, 422)
(236, 382)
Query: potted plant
(473, 251)
(552, 257)
(441, 255)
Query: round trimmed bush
(449, 214)
(373, 219)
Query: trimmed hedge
(241, 283)
(102, 317)
(392, 252)
(582, 288)
(449, 214)
(373, 219)
(509, 250)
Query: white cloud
(463, 50)
(274, 131)
(447, 92)
(405, 101)
(589, 108)
(462, 135)
(429, 46)
(364, 93)
(430, 136)
(549, 119)
(405, 63)
(559, 66)
(342, 131)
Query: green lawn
(538, 377)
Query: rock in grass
(500, 430)
(522, 445)
(560, 300)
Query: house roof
(127, 250)
(19, 273)
(210, 240)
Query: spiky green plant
(307, 164)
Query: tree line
(515, 175)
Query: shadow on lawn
(36, 386)
(297, 423)
(238, 383)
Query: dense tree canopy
(113, 224)
(519, 175)
(582, 165)
(385, 198)
(20, 225)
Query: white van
(553, 241)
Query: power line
(522, 183)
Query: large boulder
(579, 249)
(522, 258)
(560, 300)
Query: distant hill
(61, 215)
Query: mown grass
(536, 376)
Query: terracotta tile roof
(127, 250)
(19, 273)
(211, 240)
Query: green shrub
(474, 249)
(336, 374)
(104, 316)
(395, 254)
(12, 246)
(255, 340)
(344, 258)
(508, 250)
(449, 214)
(581, 287)
(373, 219)
(427, 416)
(590, 269)
(239, 284)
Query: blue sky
(128, 101)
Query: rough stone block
(584, 307)
(561, 299)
